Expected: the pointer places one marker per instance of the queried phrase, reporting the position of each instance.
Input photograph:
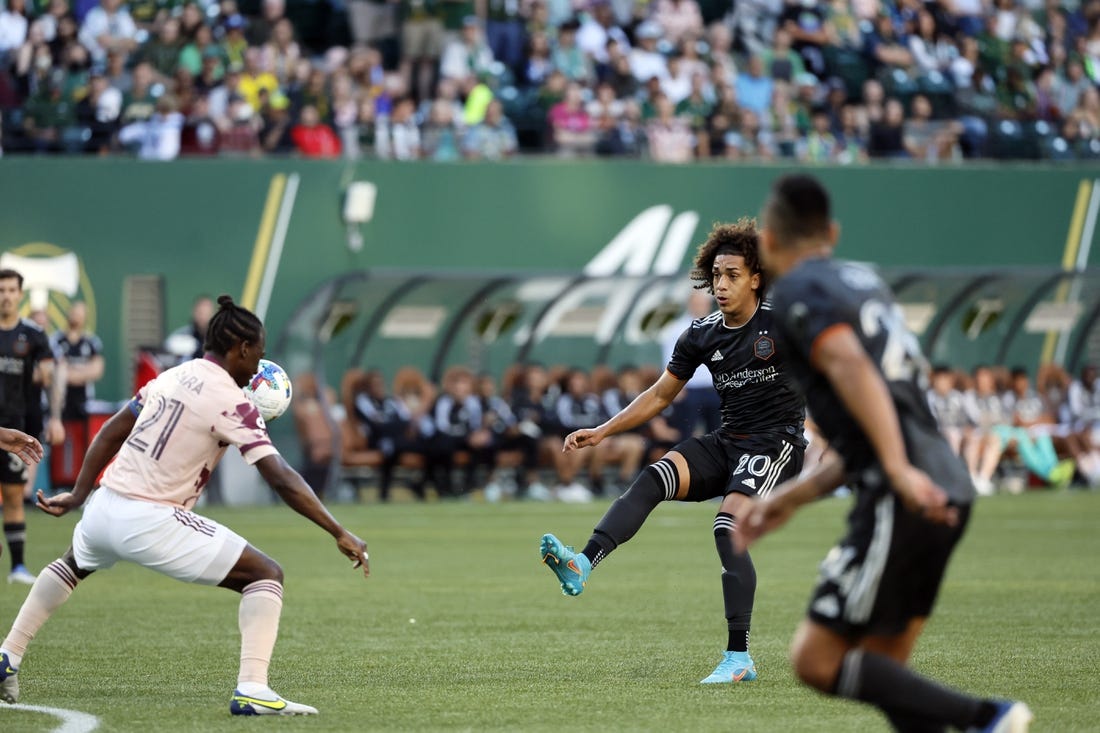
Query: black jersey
(749, 372)
(21, 348)
(821, 293)
(579, 412)
(457, 419)
(80, 352)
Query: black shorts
(752, 465)
(12, 469)
(886, 572)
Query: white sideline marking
(72, 721)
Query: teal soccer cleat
(572, 568)
(734, 667)
(266, 703)
(9, 681)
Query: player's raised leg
(661, 481)
(259, 579)
(50, 590)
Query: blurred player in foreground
(167, 440)
(758, 445)
(863, 374)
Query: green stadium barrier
(211, 226)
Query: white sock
(255, 689)
(52, 588)
(261, 605)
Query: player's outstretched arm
(293, 489)
(641, 409)
(26, 447)
(767, 515)
(105, 445)
(839, 355)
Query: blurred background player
(186, 342)
(864, 377)
(167, 440)
(82, 353)
(759, 444)
(23, 349)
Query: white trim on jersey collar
(759, 303)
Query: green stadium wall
(196, 222)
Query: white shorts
(170, 540)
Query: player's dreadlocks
(231, 325)
(738, 238)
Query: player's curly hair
(738, 238)
(231, 325)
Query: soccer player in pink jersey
(166, 442)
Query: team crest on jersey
(764, 347)
(21, 346)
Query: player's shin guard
(738, 584)
(51, 589)
(907, 697)
(261, 605)
(656, 483)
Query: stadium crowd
(671, 80)
(471, 431)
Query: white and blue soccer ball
(270, 390)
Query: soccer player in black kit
(23, 345)
(863, 375)
(758, 445)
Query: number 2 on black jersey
(902, 359)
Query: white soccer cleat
(9, 680)
(266, 702)
(20, 574)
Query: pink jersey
(187, 417)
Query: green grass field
(495, 646)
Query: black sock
(898, 691)
(907, 724)
(16, 535)
(594, 551)
(738, 584)
(628, 513)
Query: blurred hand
(25, 447)
(55, 432)
(921, 495)
(355, 550)
(761, 517)
(58, 505)
(585, 438)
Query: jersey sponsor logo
(750, 482)
(745, 376)
(11, 365)
(764, 347)
(716, 356)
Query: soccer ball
(270, 390)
